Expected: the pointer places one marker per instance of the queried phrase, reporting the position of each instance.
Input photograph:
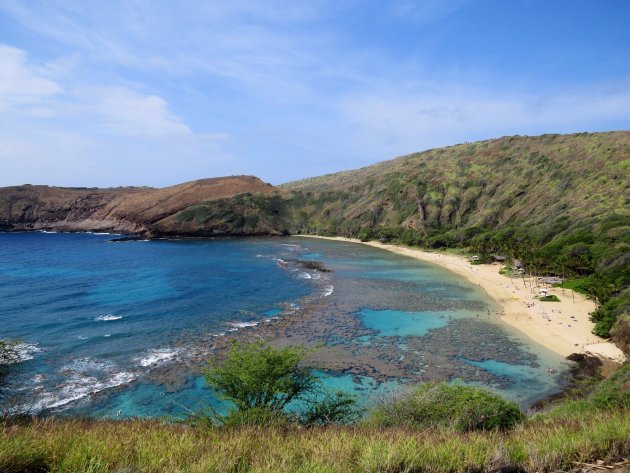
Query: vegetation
(580, 285)
(244, 214)
(263, 383)
(549, 298)
(440, 405)
(607, 314)
(592, 397)
(541, 444)
(497, 437)
(515, 196)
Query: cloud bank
(138, 92)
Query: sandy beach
(563, 327)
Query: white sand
(563, 327)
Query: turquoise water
(395, 323)
(122, 329)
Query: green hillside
(558, 202)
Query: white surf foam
(243, 324)
(84, 365)
(82, 377)
(158, 356)
(24, 352)
(304, 276)
(78, 387)
(108, 317)
(329, 290)
(38, 378)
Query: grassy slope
(593, 426)
(552, 182)
(150, 446)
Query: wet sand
(563, 327)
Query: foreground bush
(270, 386)
(459, 407)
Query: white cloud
(400, 122)
(291, 93)
(55, 131)
(20, 82)
(122, 111)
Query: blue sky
(156, 92)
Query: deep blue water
(117, 329)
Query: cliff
(133, 211)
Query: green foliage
(244, 214)
(549, 298)
(260, 416)
(614, 392)
(260, 376)
(460, 407)
(606, 314)
(593, 397)
(584, 430)
(337, 408)
(262, 381)
(559, 205)
(580, 285)
(72, 445)
(366, 234)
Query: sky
(157, 92)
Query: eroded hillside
(126, 210)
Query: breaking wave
(108, 317)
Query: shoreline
(562, 327)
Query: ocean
(124, 329)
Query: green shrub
(580, 285)
(434, 405)
(549, 298)
(614, 392)
(337, 408)
(262, 382)
(258, 375)
(606, 315)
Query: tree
(262, 381)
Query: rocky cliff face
(132, 211)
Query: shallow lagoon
(121, 329)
